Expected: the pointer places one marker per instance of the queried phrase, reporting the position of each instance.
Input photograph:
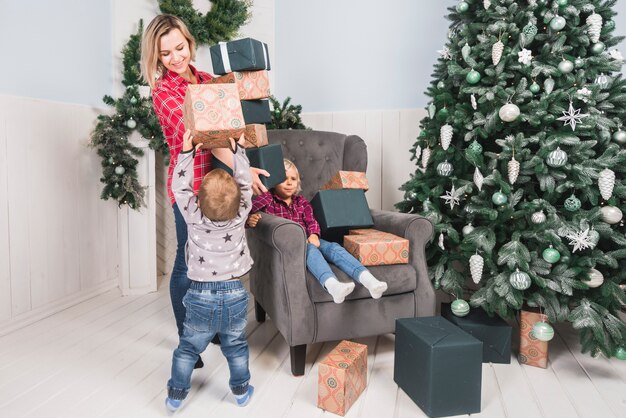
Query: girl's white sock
(338, 290)
(371, 283)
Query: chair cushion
(400, 278)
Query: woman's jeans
(317, 261)
(212, 308)
(179, 282)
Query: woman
(167, 49)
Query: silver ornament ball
(611, 214)
(566, 66)
(509, 112)
(557, 23)
(119, 170)
(620, 137)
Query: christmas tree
(521, 164)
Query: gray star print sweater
(216, 250)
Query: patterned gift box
(255, 136)
(532, 351)
(347, 180)
(377, 249)
(213, 114)
(239, 55)
(367, 231)
(251, 84)
(342, 376)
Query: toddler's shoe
(172, 405)
(243, 400)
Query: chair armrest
(278, 277)
(419, 231)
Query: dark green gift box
(438, 365)
(341, 209)
(256, 111)
(270, 158)
(494, 332)
(242, 55)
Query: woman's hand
(188, 142)
(314, 239)
(257, 186)
(253, 219)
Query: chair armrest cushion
(419, 231)
(277, 278)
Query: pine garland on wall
(133, 111)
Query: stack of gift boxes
(235, 103)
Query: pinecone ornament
(496, 52)
(473, 101)
(606, 183)
(418, 152)
(513, 167)
(445, 136)
(476, 264)
(425, 157)
(594, 23)
(487, 4)
(478, 178)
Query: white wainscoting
(389, 135)
(58, 239)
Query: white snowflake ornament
(584, 94)
(445, 53)
(616, 55)
(451, 197)
(580, 240)
(525, 56)
(572, 116)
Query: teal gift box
(256, 111)
(493, 331)
(239, 55)
(438, 365)
(341, 209)
(269, 158)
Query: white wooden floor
(110, 357)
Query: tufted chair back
(318, 155)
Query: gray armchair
(301, 309)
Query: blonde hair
(151, 66)
(219, 196)
(289, 164)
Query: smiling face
(289, 187)
(174, 52)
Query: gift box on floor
(339, 209)
(269, 158)
(239, 55)
(342, 376)
(255, 136)
(213, 114)
(494, 332)
(377, 249)
(256, 111)
(250, 84)
(438, 365)
(532, 351)
(347, 180)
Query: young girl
(284, 201)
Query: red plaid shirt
(299, 211)
(167, 99)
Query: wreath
(133, 111)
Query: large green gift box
(269, 158)
(239, 55)
(341, 209)
(493, 331)
(256, 111)
(438, 365)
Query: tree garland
(134, 112)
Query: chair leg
(298, 357)
(259, 312)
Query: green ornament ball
(422, 134)
(572, 203)
(597, 48)
(111, 160)
(543, 331)
(462, 7)
(610, 24)
(605, 135)
(133, 100)
(472, 77)
(534, 87)
(475, 148)
(530, 30)
(561, 3)
(493, 215)
(519, 280)
(619, 137)
(131, 123)
(551, 255)
(557, 23)
(499, 198)
(119, 170)
(442, 114)
(460, 307)
(620, 353)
